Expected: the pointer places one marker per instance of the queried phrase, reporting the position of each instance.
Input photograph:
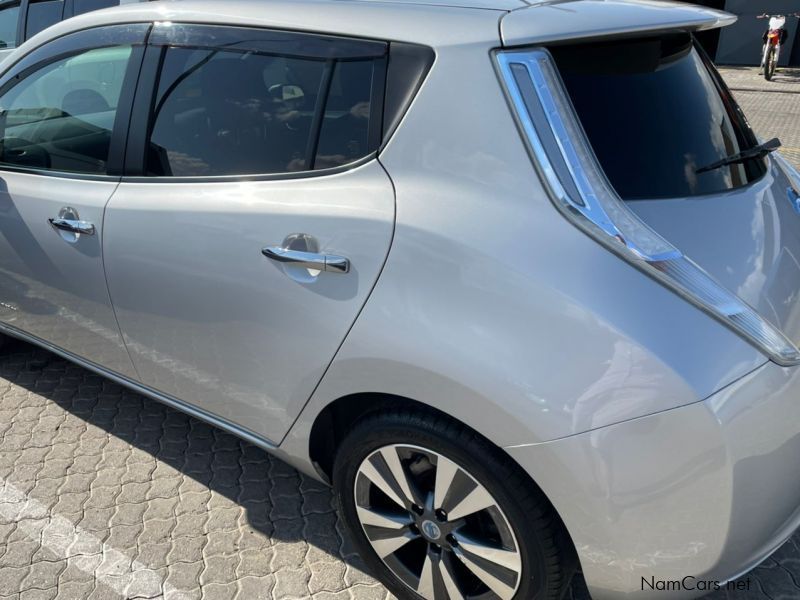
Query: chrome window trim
(288, 176)
(603, 215)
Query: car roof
(434, 23)
(504, 5)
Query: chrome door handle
(310, 260)
(73, 225)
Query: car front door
(253, 219)
(64, 110)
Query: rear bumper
(706, 491)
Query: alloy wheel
(435, 526)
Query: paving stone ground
(107, 495)
(773, 108)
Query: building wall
(741, 43)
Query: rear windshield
(655, 112)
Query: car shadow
(278, 503)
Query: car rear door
(253, 219)
(64, 110)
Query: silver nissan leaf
(515, 277)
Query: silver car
(516, 278)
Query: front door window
(60, 118)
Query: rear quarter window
(654, 113)
(223, 113)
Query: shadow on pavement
(278, 502)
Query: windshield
(655, 113)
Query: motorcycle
(774, 38)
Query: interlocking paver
(133, 499)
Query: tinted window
(240, 113)
(654, 115)
(345, 128)
(9, 20)
(84, 6)
(61, 116)
(41, 15)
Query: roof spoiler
(550, 21)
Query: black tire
(769, 66)
(548, 561)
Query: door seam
(129, 119)
(360, 310)
(108, 288)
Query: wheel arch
(339, 416)
(336, 418)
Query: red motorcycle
(774, 38)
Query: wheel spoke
(505, 558)
(446, 471)
(428, 486)
(488, 575)
(449, 580)
(398, 472)
(385, 520)
(425, 585)
(478, 499)
(370, 471)
(384, 546)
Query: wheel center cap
(431, 530)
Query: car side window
(61, 116)
(9, 21)
(220, 112)
(42, 14)
(344, 136)
(83, 6)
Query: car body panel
(748, 239)
(491, 303)
(53, 283)
(590, 19)
(208, 318)
(706, 491)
